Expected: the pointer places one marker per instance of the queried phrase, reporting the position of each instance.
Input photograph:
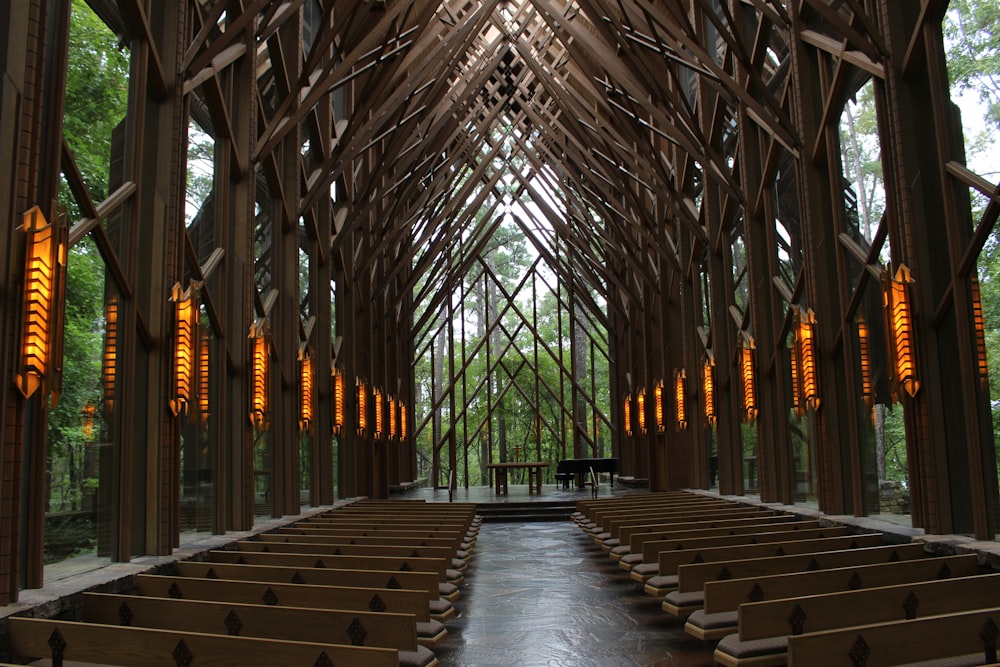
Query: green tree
(974, 52)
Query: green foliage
(96, 98)
(970, 30)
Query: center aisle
(543, 594)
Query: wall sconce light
(679, 398)
(806, 338)
(89, 411)
(260, 369)
(379, 401)
(749, 396)
(41, 318)
(658, 406)
(627, 414)
(797, 406)
(402, 421)
(203, 376)
(110, 354)
(708, 388)
(306, 389)
(864, 355)
(393, 419)
(338, 400)
(185, 342)
(640, 409)
(977, 316)
(897, 305)
(362, 407)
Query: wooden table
(534, 468)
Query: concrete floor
(543, 594)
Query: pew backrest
(140, 647)
(325, 626)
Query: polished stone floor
(543, 594)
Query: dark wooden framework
(676, 125)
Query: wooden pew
(359, 539)
(692, 579)
(391, 600)
(600, 515)
(666, 528)
(727, 596)
(141, 647)
(324, 626)
(387, 563)
(430, 629)
(458, 538)
(609, 535)
(630, 550)
(425, 582)
(669, 561)
(445, 554)
(786, 532)
(586, 506)
(764, 627)
(970, 633)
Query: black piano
(579, 469)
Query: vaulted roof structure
(733, 297)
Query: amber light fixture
(203, 374)
(749, 395)
(338, 401)
(306, 390)
(379, 399)
(89, 412)
(658, 406)
(679, 399)
(41, 319)
(185, 344)
(393, 419)
(977, 316)
(897, 305)
(260, 368)
(362, 407)
(805, 340)
(708, 388)
(627, 414)
(110, 354)
(402, 421)
(640, 409)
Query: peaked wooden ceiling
(607, 115)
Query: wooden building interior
(428, 237)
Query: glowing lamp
(897, 305)
(393, 419)
(402, 420)
(203, 375)
(805, 335)
(362, 407)
(89, 411)
(306, 390)
(679, 402)
(749, 395)
(185, 341)
(864, 355)
(379, 401)
(977, 315)
(338, 401)
(110, 353)
(708, 388)
(797, 407)
(640, 408)
(658, 406)
(627, 413)
(44, 269)
(260, 370)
